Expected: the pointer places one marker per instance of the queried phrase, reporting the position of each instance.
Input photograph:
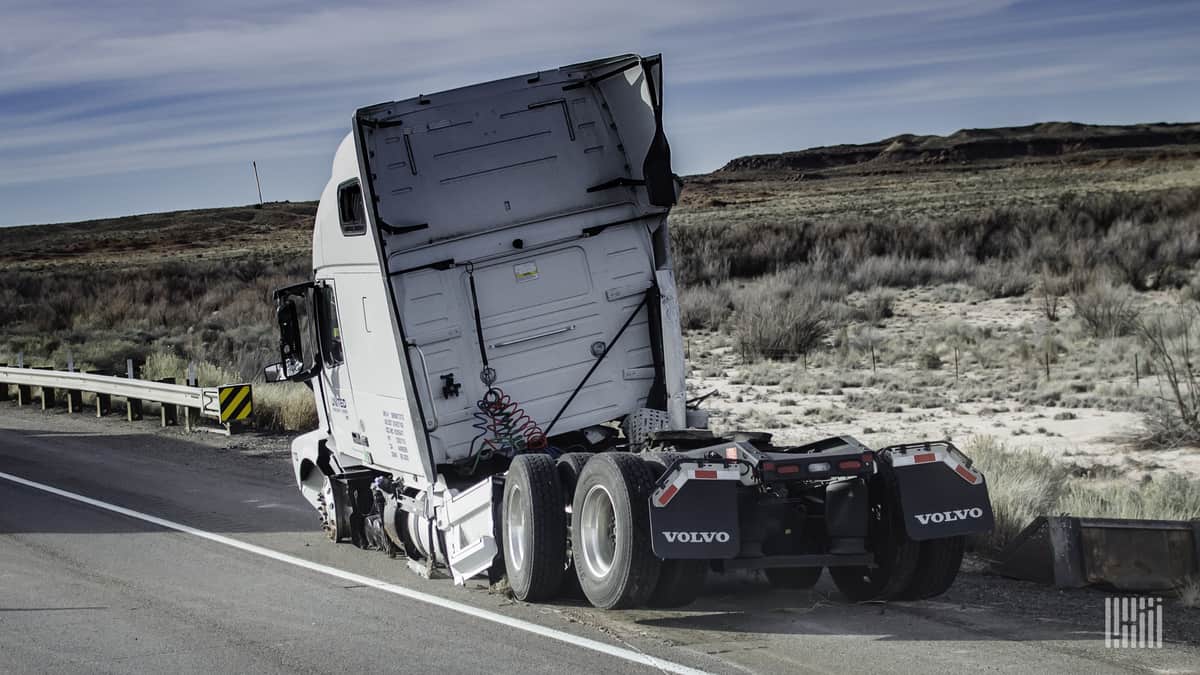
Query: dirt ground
(1087, 411)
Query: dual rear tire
(905, 569)
(607, 532)
(608, 537)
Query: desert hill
(1047, 140)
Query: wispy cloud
(90, 91)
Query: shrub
(1022, 484)
(1050, 291)
(775, 327)
(878, 305)
(931, 360)
(704, 306)
(1106, 311)
(1172, 339)
(1001, 280)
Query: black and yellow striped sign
(236, 402)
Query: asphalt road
(84, 589)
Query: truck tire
(800, 578)
(533, 528)
(570, 466)
(610, 531)
(937, 566)
(895, 554)
(679, 581)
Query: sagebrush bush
(1172, 339)
(772, 326)
(705, 306)
(879, 305)
(1002, 279)
(1107, 311)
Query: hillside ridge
(1041, 141)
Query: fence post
(1137, 371)
(169, 414)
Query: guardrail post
(1068, 553)
(169, 414)
(133, 409)
(74, 401)
(103, 401)
(133, 406)
(4, 386)
(47, 392)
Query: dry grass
(1189, 593)
(278, 406)
(1025, 483)
(284, 406)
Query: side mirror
(292, 312)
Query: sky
(115, 108)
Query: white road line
(462, 608)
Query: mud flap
(698, 522)
(941, 496)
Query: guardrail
(1126, 554)
(227, 404)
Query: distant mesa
(1046, 140)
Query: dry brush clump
(780, 326)
(1107, 310)
(1172, 338)
(1150, 240)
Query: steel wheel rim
(516, 524)
(598, 518)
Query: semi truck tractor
(492, 336)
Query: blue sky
(112, 108)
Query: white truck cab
(492, 312)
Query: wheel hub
(599, 533)
(516, 524)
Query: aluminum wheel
(598, 522)
(517, 527)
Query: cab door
(335, 375)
